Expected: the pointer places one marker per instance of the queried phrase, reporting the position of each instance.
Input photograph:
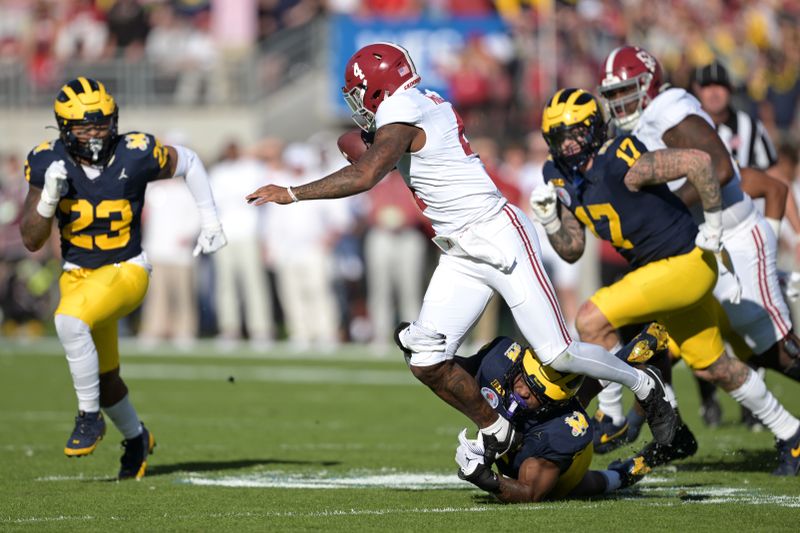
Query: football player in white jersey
(662, 116)
(488, 245)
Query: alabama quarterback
(93, 180)
(488, 245)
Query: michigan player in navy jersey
(93, 180)
(552, 460)
(618, 190)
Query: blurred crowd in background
(320, 273)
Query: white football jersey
(445, 174)
(665, 111)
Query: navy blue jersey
(643, 226)
(555, 434)
(100, 219)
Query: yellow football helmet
(573, 114)
(86, 101)
(549, 385)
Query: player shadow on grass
(733, 461)
(210, 466)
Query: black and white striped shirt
(747, 140)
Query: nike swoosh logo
(608, 438)
(796, 452)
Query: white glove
(710, 235)
(55, 186)
(543, 202)
(210, 240)
(422, 338)
(470, 453)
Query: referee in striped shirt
(743, 134)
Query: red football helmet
(631, 76)
(373, 73)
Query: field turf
(345, 441)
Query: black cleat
(661, 417)
(788, 456)
(133, 462)
(607, 436)
(630, 471)
(88, 432)
(654, 454)
(647, 343)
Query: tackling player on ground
(489, 245)
(93, 180)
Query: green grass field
(344, 441)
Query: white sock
(76, 338)
(613, 481)
(670, 393)
(124, 417)
(754, 395)
(643, 386)
(596, 362)
(610, 402)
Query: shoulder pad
(38, 160)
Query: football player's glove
(55, 186)
(472, 466)
(210, 240)
(543, 202)
(710, 235)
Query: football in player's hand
(353, 144)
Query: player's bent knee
(70, 328)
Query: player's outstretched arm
(537, 477)
(35, 228)
(661, 166)
(183, 161)
(391, 142)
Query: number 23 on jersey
(118, 213)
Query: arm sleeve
(192, 169)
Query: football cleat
(607, 435)
(630, 471)
(661, 417)
(654, 454)
(88, 432)
(645, 344)
(133, 462)
(788, 456)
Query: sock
(670, 393)
(613, 481)
(610, 402)
(124, 417)
(754, 395)
(76, 338)
(596, 362)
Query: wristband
(292, 195)
(713, 219)
(46, 207)
(775, 224)
(553, 226)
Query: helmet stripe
(610, 60)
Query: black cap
(712, 74)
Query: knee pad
(71, 330)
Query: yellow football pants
(677, 292)
(100, 297)
(574, 474)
